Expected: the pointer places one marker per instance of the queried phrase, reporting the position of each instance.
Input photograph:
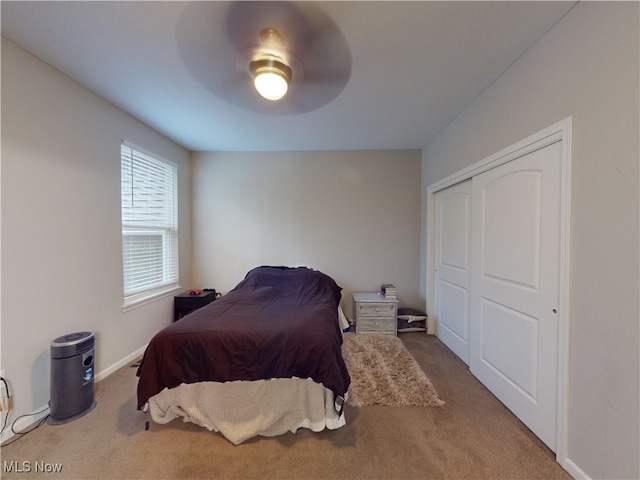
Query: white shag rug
(383, 372)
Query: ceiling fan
(271, 66)
(238, 50)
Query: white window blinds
(149, 189)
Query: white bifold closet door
(513, 283)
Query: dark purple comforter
(278, 322)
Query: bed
(264, 359)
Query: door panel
(515, 362)
(514, 286)
(453, 314)
(516, 261)
(454, 251)
(452, 267)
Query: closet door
(452, 267)
(515, 286)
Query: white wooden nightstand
(375, 313)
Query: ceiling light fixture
(271, 77)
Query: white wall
(61, 229)
(587, 67)
(353, 215)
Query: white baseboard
(23, 423)
(116, 366)
(26, 422)
(573, 470)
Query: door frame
(561, 131)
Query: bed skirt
(240, 410)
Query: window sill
(149, 297)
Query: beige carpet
(474, 437)
(383, 372)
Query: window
(149, 188)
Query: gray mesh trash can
(72, 392)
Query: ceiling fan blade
(215, 39)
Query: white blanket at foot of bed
(241, 410)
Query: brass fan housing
(269, 69)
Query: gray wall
(586, 67)
(353, 215)
(61, 266)
(61, 225)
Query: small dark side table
(185, 303)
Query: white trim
(133, 146)
(545, 137)
(575, 471)
(144, 298)
(25, 422)
(118, 365)
(564, 299)
(561, 131)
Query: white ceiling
(414, 66)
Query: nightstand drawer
(376, 325)
(372, 309)
(375, 313)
